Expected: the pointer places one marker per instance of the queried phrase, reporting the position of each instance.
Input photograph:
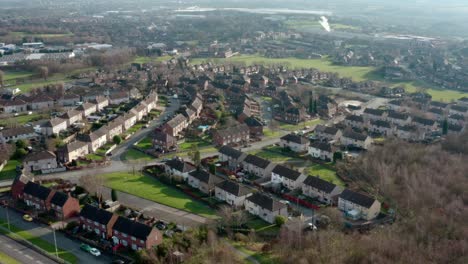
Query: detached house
(176, 125)
(358, 206)
(37, 196)
(231, 135)
(178, 167)
(324, 191)
(203, 180)
(294, 142)
(321, 150)
(232, 156)
(98, 220)
(354, 139)
(40, 161)
(257, 166)
(287, 177)
(135, 235)
(232, 193)
(64, 205)
(163, 141)
(265, 207)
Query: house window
(133, 238)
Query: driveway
(45, 233)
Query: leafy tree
(445, 127)
(114, 195)
(280, 220)
(20, 143)
(19, 153)
(117, 139)
(212, 168)
(337, 156)
(194, 155)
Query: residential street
(46, 234)
(21, 253)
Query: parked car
(27, 218)
(85, 247)
(95, 252)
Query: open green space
(324, 173)
(12, 75)
(5, 259)
(39, 35)
(22, 119)
(94, 157)
(275, 154)
(135, 155)
(146, 143)
(146, 59)
(187, 145)
(302, 125)
(37, 241)
(9, 171)
(437, 94)
(135, 128)
(152, 189)
(269, 133)
(262, 258)
(303, 24)
(324, 64)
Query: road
(45, 233)
(21, 253)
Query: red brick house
(98, 220)
(135, 234)
(17, 188)
(231, 135)
(64, 205)
(255, 126)
(37, 196)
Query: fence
(300, 202)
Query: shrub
(280, 220)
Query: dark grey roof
(381, 123)
(354, 135)
(257, 161)
(253, 122)
(39, 156)
(17, 131)
(459, 108)
(319, 184)
(457, 117)
(330, 130)
(36, 190)
(265, 202)
(376, 112)
(321, 145)
(355, 118)
(423, 121)
(164, 137)
(455, 128)
(357, 198)
(295, 139)
(397, 115)
(438, 104)
(180, 165)
(407, 128)
(231, 152)
(132, 228)
(436, 111)
(59, 198)
(205, 177)
(234, 188)
(96, 214)
(286, 172)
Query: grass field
(145, 143)
(145, 59)
(356, 73)
(299, 126)
(12, 75)
(5, 259)
(308, 24)
(50, 248)
(22, 119)
(94, 157)
(9, 171)
(258, 255)
(135, 155)
(26, 34)
(437, 95)
(274, 154)
(267, 132)
(324, 173)
(187, 145)
(152, 189)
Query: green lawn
(23, 119)
(26, 34)
(289, 127)
(324, 64)
(262, 258)
(152, 189)
(146, 59)
(5, 259)
(37, 242)
(146, 143)
(9, 171)
(135, 128)
(135, 155)
(267, 132)
(305, 24)
(12, 75)
(94, 157)
(274, 154)
(437, 95)
(324, 173)
(188, 144)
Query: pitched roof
(234, 188)
(177, 120)
(233, 131)
(459, 108)
(164, 137)
(231, 152)
(354, 135)
(357, 198)
(205, 177)
(321, 145)
(72, 146)
(376, 112)
(55, 122)
(96, 214)
(257, 161)
(37, 190)
(179, 165)
(265, 202)
(295, 139)
(319, 184)
(17, 131)
(286, 172)
(355, 118)
(132, 228)
(423, 121)
(40, 156)
(397, 115)
(59, 198)
(253, 122)
(381, 123)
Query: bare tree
(2, 78)
(93, 183)
(44, 72)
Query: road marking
(9, 246)
(29, 257)
(39, 262)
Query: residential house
(41, 102)
(457, 120)
(436, 114)
(294, 142)
(287, 177)
(358, 205)
(118, 98)
(176, 125)
(72, 151)
(293, 115)
(459, 110)
(257, 166)
(69, 99)
(354, 139)
(321, 150)
(37, 196)
(255, 126)
(42, 160)
(438, 105)
(328, 134)
(114, 128)
(95, 139)
(134, 234)
(129, 120)
(72, 116)
(13, 134)
(232, 156)
(324, 191)
(398, 118)
(381, 127)
(98, 220)
(64, 205)
(178, 167)
(87, 109)
(410, 133)
(164, 141)
(425, 124)
(203, 180)
(54, 126)
(14, 106)
(101, 102)
(231, 135)
(374, 114)
(232, 193)
(196, 106)
(463, 101)
(355, 121)
(190, 115)
(17, 187)
(265, 207)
